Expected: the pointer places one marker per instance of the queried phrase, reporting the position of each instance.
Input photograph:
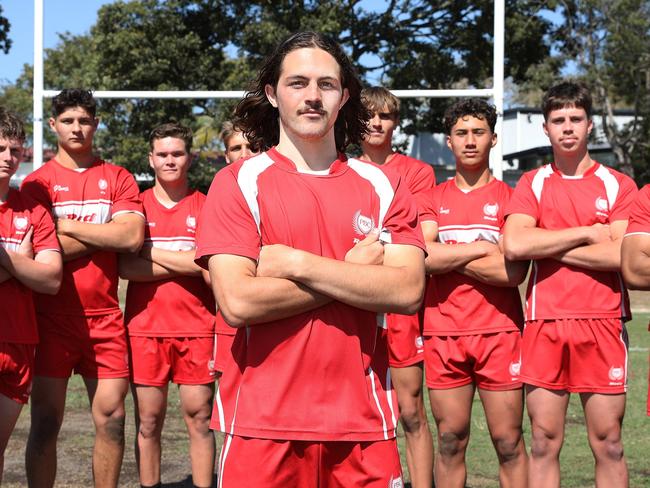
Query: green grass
(576, 460)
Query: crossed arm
(124, 233)
(481, 260)
(635, 261)
(287, 281)
(153, 264)
(595, 247)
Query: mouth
(312, 113)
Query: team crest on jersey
(362, 224)
(490, 210)
(190, 221)
(396, 483)
(616, 373)
(515, 368)
(102, 184)
(602, 206)
(419, 343)
(20, 223)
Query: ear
(269, 91)
(545, 128)
(344, 98)
(494, 139)
(151, 160)
(51, 121)
(449, 142)
(96, 120)
(590, 127)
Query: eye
(234, 148)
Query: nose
(246, 151)
(313, 92)
(471, 139)
(375, 121)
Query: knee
(508, 447)
(45, 426)
(412, 418)
(150, 426)
(608, 448)
(112, 425)
(199, 419)
(451, 444)
(545, 443)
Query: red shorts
(101, 352)
(490, 361)
(405, 343)
(16, 370)
(266, 463)
(224, 351)
(576, 355)
(155, 361)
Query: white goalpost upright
(496, 92)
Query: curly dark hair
(71, 98)
(567, 93)
(258, 119)
(476, 107)
(11, 126)
(172, 129)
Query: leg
(407, 382)
(9, 412)
(604, 417)
(196, 405)
(452, 410)
(47, 407)
(504, 411)
(151, 404)
(107, 405)
(547, 412)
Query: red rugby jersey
(307, 377)
(94, 195)
(182, 306)
(418, 177)
(456, 304)
(17, 214)
(640, 214)
(556, 201)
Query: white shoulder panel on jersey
(380, 183)
(539, 178)
(610, 182)
(247, 181)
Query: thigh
(407, 381)
(9, 412)
(106, 395)
(192, 360)
(196, 398)
(547, 409)
(446, 362)
(150, 401)
(48, 399)
(452, 408)
(603, 414)
(497, 360)
(368, 464)
(503, 410)
(149, 360)
(405, 343)
(16, 371)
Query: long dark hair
(258, 119)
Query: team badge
(491, 209)
(102, 184)
(616, 373)
(362, 224)
(602, 205)
(396, 483)
(419, 343)
(190, 222)
(20, 223)
(515, 368)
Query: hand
(367, 251)
(26, 248)
(599, 233)
(277, 261)
(63, 226)
(488, 247)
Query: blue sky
(75, 16)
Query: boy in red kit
(30, 259)
(404, 332)
(300, 403)
(569, 217)
(170, 312)
(472, 315)
(98, 215)
(635, 250)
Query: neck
(75, 160)
(4, 189)
(471, 180)
(573, 165)
(308, 155)
(377, 154)
(170, 195)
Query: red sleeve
(420, 185)
(126, 198)
(505, 196)
(44, 237)
(522, 200)
(37, 189)
(226, 224)
(640, 213)
(625, 199)
(402, 220)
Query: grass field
(75, 444)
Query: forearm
(536, 243)
(635, 262)
(134, 268)
(72, 249)
(4, 275)
(496, 270)
(604, 256)
(112, 236)
(443, 258)
(180, 262)
(38, 276)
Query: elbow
(234, 313)
(134, 243)
(51, 286)
(412, 298)
(513, 252)
(633, 280)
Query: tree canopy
(5, 27)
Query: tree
(5, 27)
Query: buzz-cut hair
(474, 107)
(378, 98)
(567, 94)
(71, 98)
(11, 126)
(172, 129)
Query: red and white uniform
(578, 309)
(456, 304)
(639, 224)
(18, 330)
(306, 377)
(404, 332)
(95, 195)
(224, 336)
(182, 306)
